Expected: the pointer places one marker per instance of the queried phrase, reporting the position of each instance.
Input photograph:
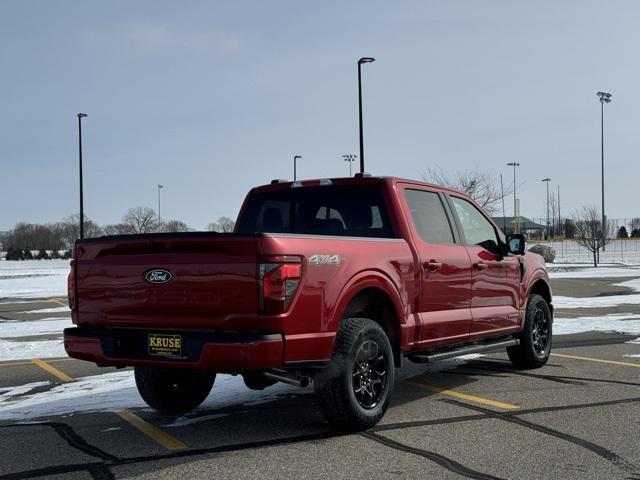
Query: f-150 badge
(325, 259)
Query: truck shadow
(292, 411)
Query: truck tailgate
(212, 280)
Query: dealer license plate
(164, 345)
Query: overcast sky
(212, 98)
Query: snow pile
(33, 278)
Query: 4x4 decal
(318, 259)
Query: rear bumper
(220, 352)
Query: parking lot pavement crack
(74, 440)
(98, 471)
(441, 460)
(599, 450)
(101, 472)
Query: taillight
(277, 285)
(71, 285)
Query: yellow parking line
(598, 360)
(467, 397)
(59, 302)
(52, 370)
(29, 362)
(164, 439)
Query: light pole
(349, 157)
(604, 98)
(547, 180)
(504, 217)
(80, 117)
(516, 221)
(560, 229)
(360, 62)
(295, 158)
(159, 218)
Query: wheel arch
(372, 295)
(541, 287)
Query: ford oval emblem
(158, 276)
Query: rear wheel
(536, 337)
(173, 391)
(354, 391)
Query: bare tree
(140, 220)
(117, 229)
(222, 225)
(70, 228)
(587, 222)
(479, 185)
(174, 226)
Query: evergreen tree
(622, 232)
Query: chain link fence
(623, 247)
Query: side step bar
(475, 348)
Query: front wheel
(536, 337)
(354, 391)
(173, 391)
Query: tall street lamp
(504, 217)
(80, 117)
(516, 221)
(559, 215)
(604, 98)
(349, 157)
(159, 218)
(360, 62)
(547, 180)
(295, 158)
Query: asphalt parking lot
(578, 417)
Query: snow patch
(34, 327)
(566, 271)
(620, 323)
(49, 310)
(8, 392)
(12, 350)
(33, 278)
(115, 391)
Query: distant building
(527, 226)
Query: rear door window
(429, 216)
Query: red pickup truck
(332, 282)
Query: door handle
(432, 265)
(480, 265)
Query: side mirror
(516, 243)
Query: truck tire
(173, 391)
(354, 390)
(536, 336)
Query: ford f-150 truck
(331, 282)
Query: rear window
(352, 211)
